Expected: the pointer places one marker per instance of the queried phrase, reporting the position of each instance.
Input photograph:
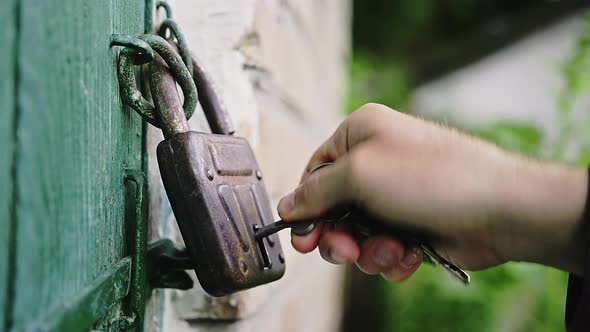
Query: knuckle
(371, 107)
(370, 110)
(373, 118)
(365, 113)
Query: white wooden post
(280, 68)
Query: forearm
(483, 206)
(542, 205)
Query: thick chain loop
(143, 52)
(128, 58)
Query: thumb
(320, 192)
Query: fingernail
(287, 203)
(411, 258)
(384, 256)
(336, 258)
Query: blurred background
(513, 72)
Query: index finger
(355, 129)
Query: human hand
(484, 206)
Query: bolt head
(259, 175)
(210, 174)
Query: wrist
(541, 206)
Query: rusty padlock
(216, 191)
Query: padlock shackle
(215, 112)
(217, 116)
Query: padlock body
(217, 195)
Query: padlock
(216, 191)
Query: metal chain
(143, 52)
(139, 50)
(185, 54)
(164, 4)
(170, 25)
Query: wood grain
(74, 141)
(7, 111)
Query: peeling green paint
(73, 141)
(79, 313)
(8, 32)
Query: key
(450, 267)
(298, 227)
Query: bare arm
(490, 206)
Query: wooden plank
(7, 111)
(74, 142)
(93, 302)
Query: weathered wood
(88, 305)
(74, 141)
(7, 111)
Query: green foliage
(410, 28)
(576, 73)
(511, 297)
(576, 69)
(521, 137)
(376, 80)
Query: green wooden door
(7, 39)
(66, 144)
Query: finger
(319, 193)
(408, 265)
(334, 147)
(380, 254)
(309, 242)
(338, 246)
(389, 257)
(355, 129)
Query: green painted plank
(74, 143)
(90, 304)
(7, 110)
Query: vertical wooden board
(7, 110)
(74, 142)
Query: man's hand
(489, 206)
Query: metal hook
(166, 6)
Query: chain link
(135, 47)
